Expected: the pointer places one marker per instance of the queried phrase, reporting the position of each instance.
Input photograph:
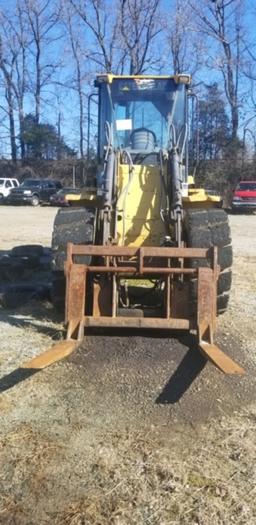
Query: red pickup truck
(244, 196)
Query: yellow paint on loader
(179, 79)
(140, 191)
(199, 198)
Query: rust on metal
(110, 262)
(167, 296)
(57, 352)
(75, 296)
(221, 360)
(102, 298)
(205, 303)
(137, 322)
(127, 251)
(206, 319)
(180, 300)
(146, 270)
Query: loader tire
(206, 228)
(74, 225)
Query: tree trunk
(59, 137)
(234, 122)
(38, 86)
(81, 111)
(22, 143)
(9, 98)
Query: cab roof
(108, 78)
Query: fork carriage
(98, 282)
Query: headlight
(237, 199)
(27, 192)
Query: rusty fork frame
(138, 263)
(117, 261)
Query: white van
(6, 185)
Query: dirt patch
(157, 379)
(129, 430)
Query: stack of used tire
(21, 276)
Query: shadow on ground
(14, 378)
(187, 371)
(184, 375)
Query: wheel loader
(143, 248)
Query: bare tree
(177, 39)
(8, 80)
(139, 27)
(249, 70)
(122, 31)
(7, 66)
(221, 22)
(43, 17)
(187, 48)
(78, 58)
(21, 69)
(15, 32)
(100, 19)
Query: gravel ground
(128, 430)
(26, 225)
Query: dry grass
(24, 458)
(197, 476)
(62, 466)
(206, 477)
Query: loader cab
(142, 114)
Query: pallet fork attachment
(54, 354)
(168, 264)
(206, 320)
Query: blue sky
(66, 103)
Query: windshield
(147, 104)
(247, 186)
(30, 182)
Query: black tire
(206, 228)
(27, 250)
(71, 225)
(35, 201)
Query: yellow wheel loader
(143, 249)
